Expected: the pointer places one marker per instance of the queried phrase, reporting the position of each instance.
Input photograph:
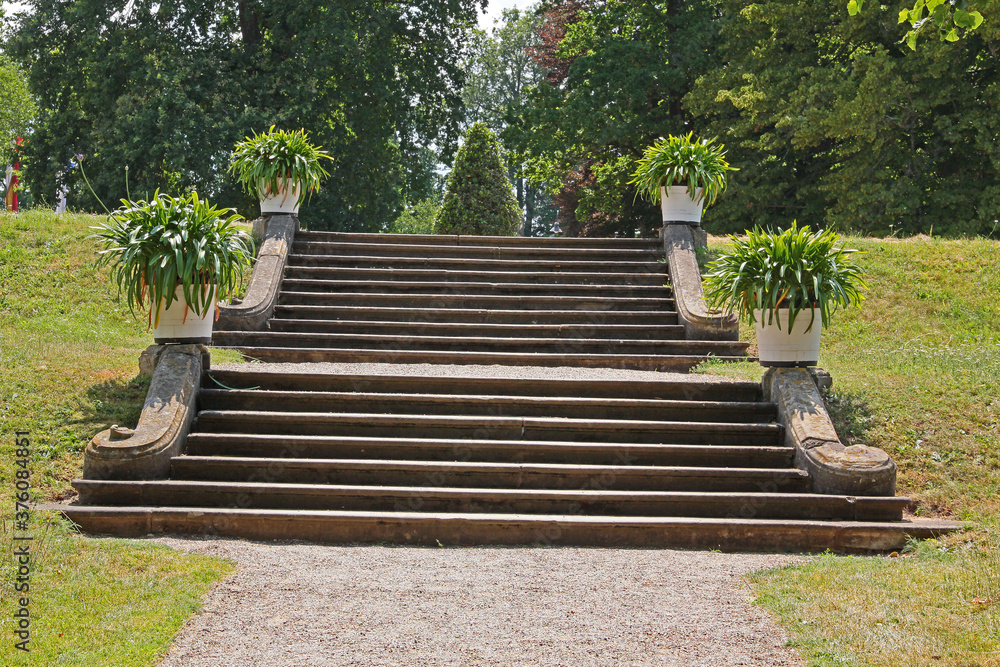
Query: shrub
(479, 199)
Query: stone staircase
(476, 300)
(516, 455)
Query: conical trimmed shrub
(479, 199)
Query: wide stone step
(551, 252)
(283, 379)
(487, 428)
(475, 344)
(464, 474)
(492, 405)
(675, 363)
(477, 301)
(499, 451)
(255, 495)
(593, 331)
(475, 315)
(472, 288)
(475, 265)
(432, 529)
(657, 279)
(468, 240)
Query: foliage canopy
(17, 107)
(167, 87)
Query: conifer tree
(479, 199)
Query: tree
(499, 72)
(950, 20)
(616, 74)
(479, 199)
(834, 122)
(167, 87)
(17, 108)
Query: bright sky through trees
(495, 10)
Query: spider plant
(684, 160)
(262, 162)
(153, 247)
(794, 269)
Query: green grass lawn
(917, 373)
(68, 369)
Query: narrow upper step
(593, 331)
(388, 247)
(693, 388)
(467, 275)
(506, 315)
(652, 264)
(475, 241)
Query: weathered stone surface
(257, 305)
(835, 468)
(685, 276)
(150, 358)
(145, 452)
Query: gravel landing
(452, 370)
(303, 604)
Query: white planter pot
(180, 324)
(678, 206)
(781, 347)
(284, 202)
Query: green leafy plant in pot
(280, 167)
(683, 175)
(787, 284)
(174, 257)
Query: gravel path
(303, 604)
(452, 370)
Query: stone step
(476, 315)
(487, 428)
(469, 475)
(485, 404)
(432, 529)
(478, 301)
(452, 329)
(473, 288)
(467, 240)
(315, 340)
(675, 363)
(499, 451)
(478, 265)
(549, 252)
(655, 279)
(283, 379)
(590, 502)
(382, 498)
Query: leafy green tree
(616, 74)
(167, 87)
(836, 123)
(499, 73)
(17, 107)
(416, 219)
(479, 199)
(950, 20)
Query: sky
(496, 9)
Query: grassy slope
(917, 373)
(68, 368)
